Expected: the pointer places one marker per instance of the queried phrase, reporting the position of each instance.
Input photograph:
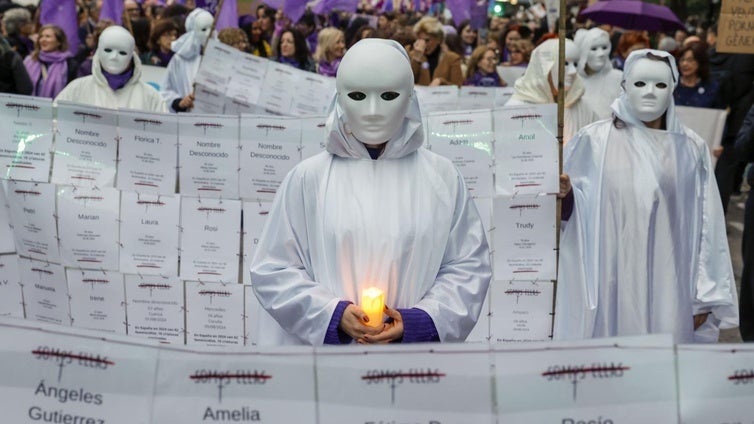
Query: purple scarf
(118, 81)
(289, 61)
(329, 69)
(57, 73)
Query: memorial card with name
(618, 380)
(86, 146)
(716, 383)
(154, 306)
(54, 377)
(88, 226)
(278, 88)
(268, 386)
(26, 137)
(210, 247)
(31, 207)
(11, 298)
(149, 234)
(7, 244)
(473, 98)
(45, 291)
(214, 314)
(208, 101)
(521, 311)
(148, 146)
(248, 76)
(269, 150)
(437, 99)
(385, 384)
(209, 155)
(254, 217)
(312, 136)
(314, 93)
(526, 150)
(216, 65)
(238, 107)
(502, 95)
(524, 238)
(97, 300)
(466, 139)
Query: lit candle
(373, 304)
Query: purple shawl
(57, 73)
(329, 69)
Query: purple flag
(228, 16)
(63, 14)
(479, 15)
(387, 6)
(275, 4)
(294, 9)
(326, 6)
(112, 9)
(460, 9)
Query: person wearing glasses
(482, 70)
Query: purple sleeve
(566, 206)
(418, 326)
(335, 335)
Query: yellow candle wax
(373, 304)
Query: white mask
(596, 58)
(115, 49)
(202, 26)
(374, 86)
(649, 89)
(571, 59)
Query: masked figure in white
(643, 248)
(601, 81)
(115, 79)
(178, 87)
(539, 85)
(376, 209)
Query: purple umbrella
(633, 14)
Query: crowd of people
(106, 68)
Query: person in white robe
(178, 87)
(375, 210)
(644, 249)
(115, 80)
(601, 81)
(539, 84)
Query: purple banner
(228, 16)
(112, 9)
(63, 14)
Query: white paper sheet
(521, 311)
(45, 291)
(97, 300)
(314, 93)
(473, 98)
(526, 150)
(208, 101)
(312, 136)
(437, 99)
(708, 123)
(214, 314)
(217, 61)
(86, 146)
(466, 139)
(502, 95)
(11, 298)
(31, 207)
(278, 88)
(149, 234)
(154, 306)
(269, 150)
(88, 223)
(510, 74)
(147, 156)
(254, 217)
(246, 82)
(252, 312)
(209, 155)
(7, 244)
(524, 238)
(481, 331)
(27, 137)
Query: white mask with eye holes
(115, 49)
(202, 26)
(596, 58)
(570, 71)
(374, 85)
(649, 89)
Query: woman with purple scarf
(292, 50)
(331, 46)
(50, 66)
(482, 69)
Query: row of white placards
(54, 374)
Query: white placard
(217, 60)
(7, 244)
(208, 101)
(149, 234)
(97, 300)
(26, 137)
(274, 386)
(11, 298)
(437, 99)
(209, 155)
(214, 314)
(442, 384)
(269, 150)
(88, 222)
(314, 93)
(510, 74)
(466, 139)
(237, 107)
(31, 207)
(524, 239)
(708, 123)
(210, 239)
(246, 82)
(526, 150)
(254, 217)
(502, 95)
(278, 88)
(627, 380)
(49, 376)
(86, 146)
(521, 311)
(155, 308)
(45, 291)
(147, 156)
(716, 383)
(312, 136)
(472, 98)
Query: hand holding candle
(373, 305)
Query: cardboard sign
(735, 29)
